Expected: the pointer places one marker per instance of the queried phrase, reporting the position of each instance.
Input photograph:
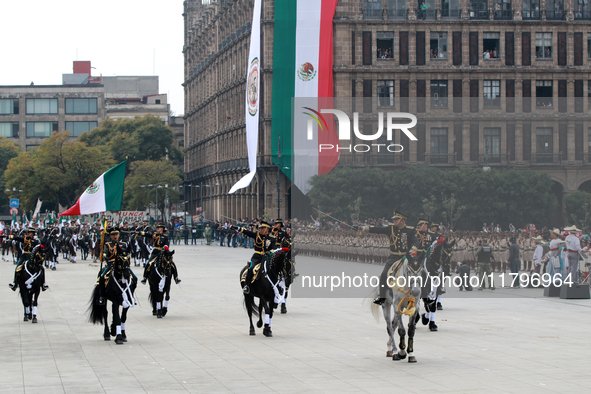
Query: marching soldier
(262, 242)
(160, 240)
(29, 241)
(402, 243)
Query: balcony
(555, 15)
(546, 158)
(488, 159)
(380, 159)
(441, 159)
(503, 15)
(582, 15)
(397, 14)
(531, 15)
(372, 13)
(479, 14)
(451, 14)
(428, 14)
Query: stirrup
(12, 286)
(177, 281)
(246, 289)
(44, 287)
(379, 301)
(143, 281)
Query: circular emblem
(93, 188)
(252, 91)
(307, 72)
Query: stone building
(496, 83)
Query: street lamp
(149, 201)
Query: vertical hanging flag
(252, 98)
(37, 209)
(104, 194)
(303, 68)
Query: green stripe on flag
(114, 180)
(284, 71)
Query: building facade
(495, 83)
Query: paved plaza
(524, 343)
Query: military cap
(399, 215)
(160, 225)
(264, 224)
(279, 221)
(31, 230)
(113, 230)
(422, 221)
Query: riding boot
(246, 288)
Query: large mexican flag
(302, 68)
(104, 194)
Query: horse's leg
(283, 306)
(26, 302)
(401, 333)
(117, 324)
(166, 300)
(123, 320)
(35, 297)
(268, 313)
(387, 311)
(107, 333)
(249, 302)
(411, 335)
(260, 322)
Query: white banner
(37, 209)
(252, 98)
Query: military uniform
(402, 243)
(159, 241)
(28, 242)
(262, 245)
(484, 256)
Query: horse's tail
(95, 310)
(249, 304)
(375, 308)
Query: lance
(340, 221)
(103, 243)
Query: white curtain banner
(252, 98)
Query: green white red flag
(104, 194)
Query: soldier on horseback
(278, 233)
(402, 243)
(111, 251)
(262, 244)
(160, 240)
(29, 241)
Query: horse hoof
(34, 319)
(107, 337)
(159, 316)
(283, 308)
(259, 324)
(25, 318)
(119, 340)
(412, 359)
(164, 311)
(252, 332)
(154, 313)
(396, 357)
(389, 353)
(402, 356)
(123, 336)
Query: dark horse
(30, 280)
(160, 279)
(408, 280)
(268, 287)
(118, 286)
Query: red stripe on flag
(73, 211)
(328, 158)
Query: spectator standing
(514, 262)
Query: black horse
(118, 286)
(30, 280)
(160, 279)
(268, 287)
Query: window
(492, 145)
(426, 9)
(555, 9)
(9, 129)
(589, 45)
(40, 129)
(478, 9)
(81, 106)
(531, 9)
(385, 93)
(372, 9)
(385, 43)
(503, 10)
(492, 93)
(450, 9)
(31, 147)
(439, 94)
(438, 45)
(544, 144)
(491, 44)
(439, 145)
(396, 9)
(544, 94)
(543, 45)
(8, 106)
(589, 140)
(582, 9)
(78, 128)
(41, 106)
(589, 92)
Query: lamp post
(278, 172)
(149, 201)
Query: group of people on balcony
(385, 53)
(491, 54)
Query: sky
(41, 39)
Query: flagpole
(103, 243)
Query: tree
(59, 170)
(452, 211)
(429, 207)
(156, 173)
(139, 139)
(8, 151)
(578, 209)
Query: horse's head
(37, 257)
(165, 261)
(121, 267)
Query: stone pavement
(331, 345)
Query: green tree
(156, 173)
(59, 170)
(8, 151)
(578, 209)
(139, 139)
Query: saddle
(255, 273)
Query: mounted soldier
(160, 240)
(403, 243)
(262, 244)
(28, 242)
